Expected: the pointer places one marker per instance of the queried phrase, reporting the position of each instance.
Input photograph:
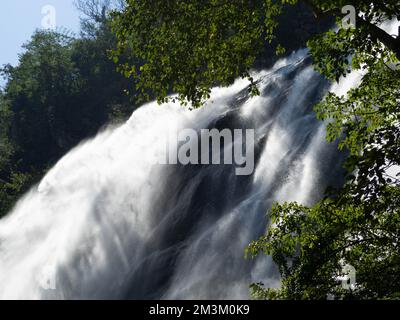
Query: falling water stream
(108, 222)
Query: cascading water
(112, 225)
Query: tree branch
(318, 13)
(375, 32)
(381, 35)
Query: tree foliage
(188, 47)
(358, 225)
(312, 247)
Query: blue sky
(20, 18)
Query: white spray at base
(106, 222)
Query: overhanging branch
(375, 32)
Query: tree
(358, 225)
(313, 246)
(37, 92)
(95, 14)
(5, 146)
(189, 46)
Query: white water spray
(109, 223)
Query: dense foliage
(358, 225)
(189, 46)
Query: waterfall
(108, 222)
